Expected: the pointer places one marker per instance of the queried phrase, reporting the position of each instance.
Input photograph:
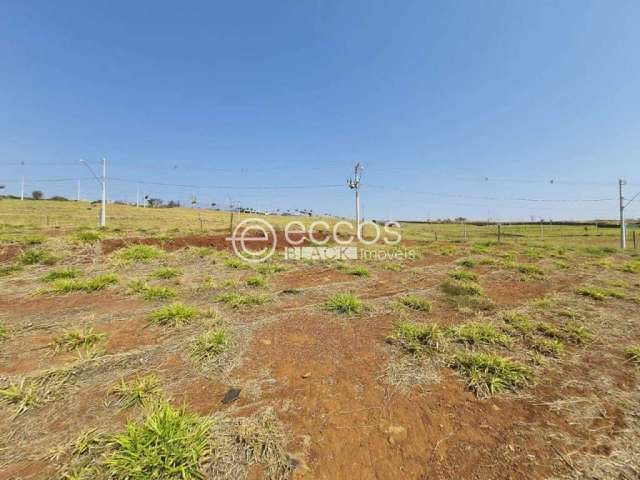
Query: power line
(229, 187)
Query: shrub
(478, 332)
(463, 275)
(416, 302)
(418, 338)
(462, 287)
(175, 315)
(487, 374)
(345, 303)
(139, 253)
(237, 300)
(168, 444)
(61, 273)
(210, 344)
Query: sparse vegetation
(238, 300)
(257, 281)
(99, 282)
(479, 332)
(36, 256)
(235, 263)
(632, 352)
(60, 274)
(345, 303)
(22, 395)
(87, 236)
(597, 293)
(462, 287)
(418, 337)
(359, 271)
(9, 270)
(169, 443)
(210, 344)
(77, 339)
(269, 268)
(148, 292)
(519, 322)
(166, 273)
(138, 391)
(416, 302)
(463, 275)
(139, 253)
(174, 315)
(548, 346)
(488, 374)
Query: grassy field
(170, 359)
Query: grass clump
(76, 340)
(168, 444)
(478, 332)
(359, 271)
(463, 275)
(238, 300)
(22, 395)
(60, 274)
(166, 273)
(416, 302)
(136, 392)
(467, 263)
(151, 292)
(462, 287)
(595, 251)
(631, 267)
(518, 322)
(9, 270)
(526, 269)
(632, 352)
(418, 338)
(99, 282)
(488, 374)
(548, 330)
(344, 303)
(174, 315)
(257, 281)
(210, 344)
(599, 294)
(577, 333)
(550, 347)
(235, 263)
(139, 253)
(87, 236)
(269, 268)
(36, 256)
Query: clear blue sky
(432, 97)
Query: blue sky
(455, 108)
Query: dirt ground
(353, 404)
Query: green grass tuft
(478, 332)
(550, 347)
(174, 315)
(168, 444)
(462, 287)
(418, 338)
(139, 253)
(4, 332)
(600, 294)
(269, 268)
(87, 236)
(466, 263)
(76, 340)
(210, 344)
(237, 300)
(488, 374)
(416, 302)
(576, 333)
(138, 391)
(100, 282)
(548, 330)
(359, 271)
(166, 273)
(60, 274)
(632, 352)
(463, 275)
(519, 322)
(257, 281)
(344, 303)
(36, 256)
(9, 270)
(235, 263)
(22, 395)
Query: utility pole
(102, 181)
(22, 189)
(354, 184)
(78, 198)
(623, 228)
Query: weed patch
(416, 302)
(61, 274)
(139, 253)
(632, 352)
(36, 256)
(418, 338)
(488, 374)
(462, 287)
(174, 315)
(138, 391)
(345, 303)
(100, 282)
(463, 275)
(359, 271)
(548, 346)
(76, 340)
(166, 273)
(210, 344)
(22, 395)
(238, 300)
(478, 332)
(257, 281)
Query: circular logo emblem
(253, 232)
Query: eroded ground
(324, 394)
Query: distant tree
(155, 202)
(59, 198)
(37, 195)
(173, 204)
